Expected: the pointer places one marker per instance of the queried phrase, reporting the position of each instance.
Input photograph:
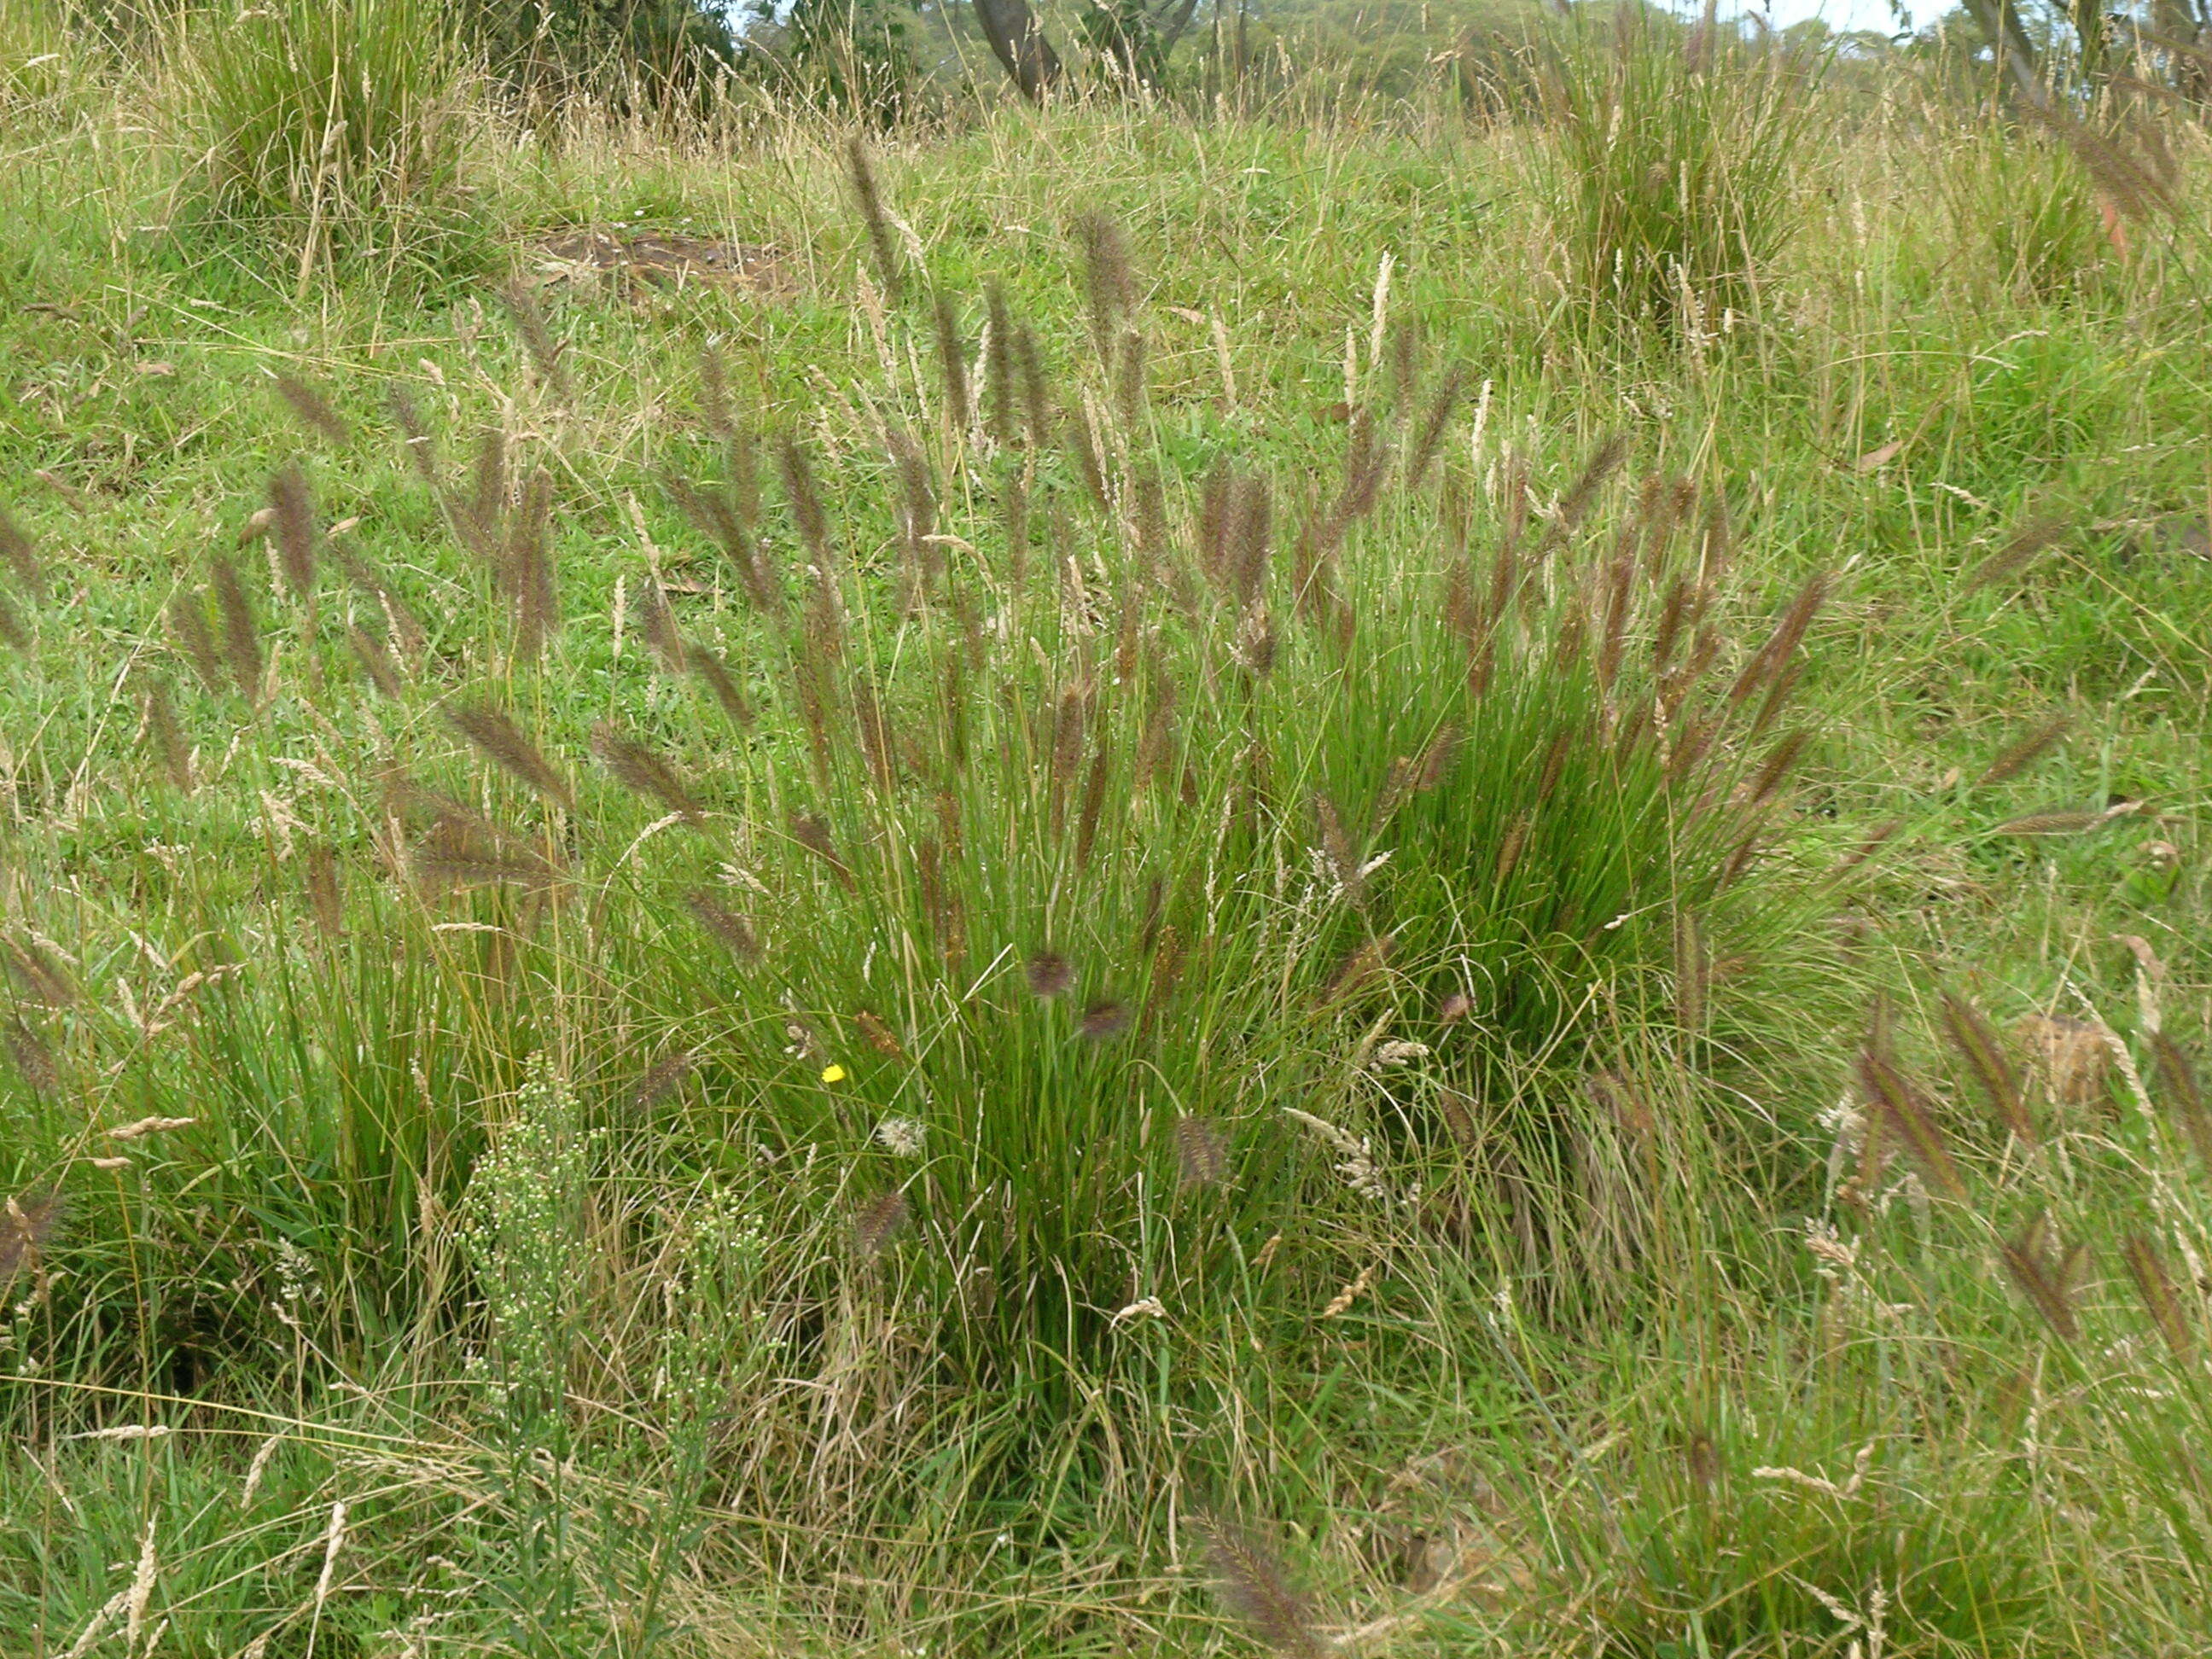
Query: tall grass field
(1386, 836)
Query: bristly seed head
(27, 1221)
(1903, 1107)
(1256, 1587)
(313, 409)
(877, 1031)
(501, 741)
(546, 353)
(874, 215)
(2045, 1278)
(20, 555)
(325, 896)
(878, 1223)
(1201, 1152)
(805, 498)
(951, 362)
(34, 1061)
(709, 667)
(375, 661)
(241, 631)
(639, 768)
(725, 925)
(1111, 290)
(2020, 755)
(1364, 964)
(1978, 1045)
(999, 403)
(2177, 1078)
(1048, 975)
(1101, 1020)
(813, 835)
(295, 522)
(2160, 1299)
(656, 1085)
(168, 738)
(421, 453)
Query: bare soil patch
(635, 264)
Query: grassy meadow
(1285, 873)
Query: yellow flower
(833, 1075)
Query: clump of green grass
(335, 129)
(1677, 166)
(39, 62)
(1112, 860)
(2022, 205)
(1061, 896)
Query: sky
(1845, 14)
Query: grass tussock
(335, 130)
(1675, 182)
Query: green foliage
(1778, 1535)
(1061, 1037)
(1067, 1148)
(1394, 49)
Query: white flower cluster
(518, 1227)
(1356, 1153)
(1838, 1260)
(1397, 1054)
(902, 1137)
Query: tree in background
(852, 56)
(2081, 45)
(623, 47)
(1133, 38)
(1018, 42)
